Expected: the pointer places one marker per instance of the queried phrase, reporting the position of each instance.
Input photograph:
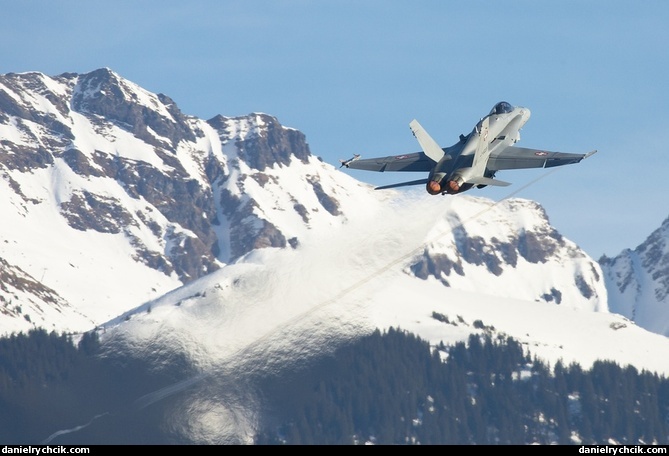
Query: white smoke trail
(74, 429)
(287, 307)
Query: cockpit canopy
(501, 108)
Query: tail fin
(429, 145)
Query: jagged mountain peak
(640, 281)
(510, 249)
(156, 119)
(94, 156)
(656, 241)
(261, 140)
(240, 128)
(655, 248)
(103, 179)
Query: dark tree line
(49, 383)
(392, 388)
(387, 388)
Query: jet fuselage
(457, 167)
(474, 159)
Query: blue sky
(351, 75)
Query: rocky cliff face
(177, 171)
(97, 154)
(111, 197)
(510, 249)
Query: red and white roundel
(541, 154)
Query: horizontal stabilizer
(403, 184)
(487, 181)
(429, 145)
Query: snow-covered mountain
(638, 281)
(211, 237)
(112, 196)
(227, 243)
(279, 307)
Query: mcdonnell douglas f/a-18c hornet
(474, 159)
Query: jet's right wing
(514, 157)
(417, 161)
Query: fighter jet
(474, 160)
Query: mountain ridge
(116, 200)
(227, 245)
(125, 163)
(640, 279)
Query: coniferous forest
(386, 388)
(393, 388)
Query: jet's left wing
(416, 161)
(514, 157)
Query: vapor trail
(74, 429)
(162, 393)
(167, 391)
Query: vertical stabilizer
(429, 145)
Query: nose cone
(525, 113)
